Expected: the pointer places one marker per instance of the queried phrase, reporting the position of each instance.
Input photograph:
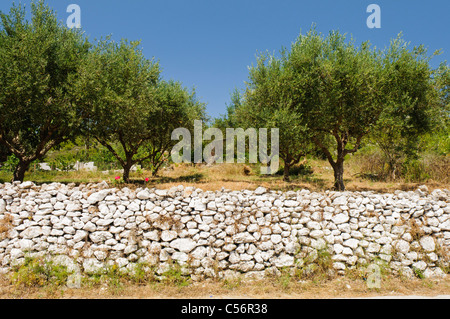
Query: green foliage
(175, 107)
(39, 60)
(268, 103)
(437, 142)
(317, 266)
(130, 110)
(115, 90)
(418, 273)
(328, 90)
(10, 164)
(37, 272)
(426, 165)
(415, 171)
(333, 86)
(102, 157)
(175, 276)
(412, 109)
(117, 278)
(298, 170)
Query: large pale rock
(134, 207)
(199, 252)
(104, 222)
(275, 239)
(72, 207)
(402, 246)
(2, 205)
(316, 233)
(64, 260)
(16, 253)
(211, 205)
(341, 200)
(31, 232)
(243, 238)
(152, 235)
(444, 226)
(246, 266)
(80, 235)
(260, 190)
(90, 227)
(291, 203)
(373, 248)
(180, 257)
(144, 194)
(168, 235)
(98, 196)
(26, 244)
(428, 244)
(26, 185)
(184, 245)
(284, 260)
(340, 219)
(100, 236)
(351, 242)
(420, 265)
(161, 192)
(313, 225)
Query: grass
(371, 165)
(175, 276)
(116, 284)
(315, 175)
(40, 278)
(6, 224)
(38, 272)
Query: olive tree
(116, 90)
(39, 60)
(330, 91)
(413, 91)
(175, 107)
(352, 88)
(267, 103)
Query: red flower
(117, 178)
(147, 179)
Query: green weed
(38, 272)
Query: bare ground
(341, 287)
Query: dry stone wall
(90, 227)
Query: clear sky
(209, 44)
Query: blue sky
(209, 44)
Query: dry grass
(341, 287)
(5, 225)
(428, 168)
(239, 177)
